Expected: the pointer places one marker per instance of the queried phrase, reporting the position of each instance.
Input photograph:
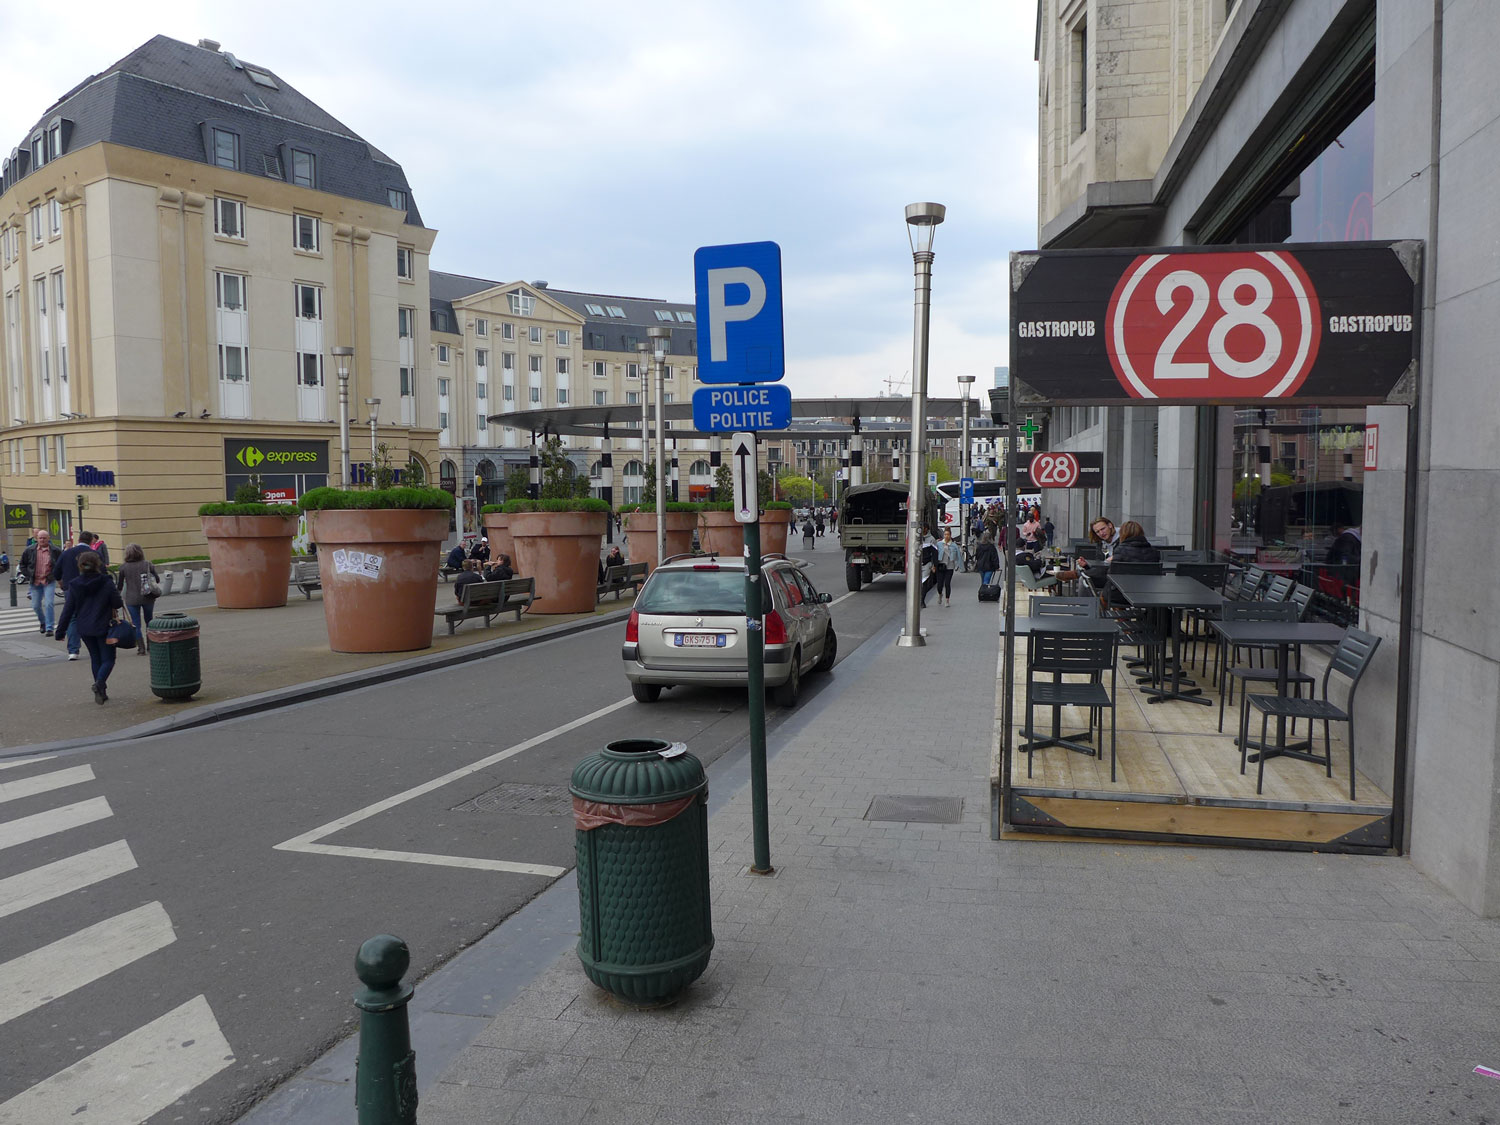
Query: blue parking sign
(740, 336)
(966, 490)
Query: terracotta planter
(391, 610)
(561, 551)
(251, 558)
(719, 533)
(641, 527)
(497, 531)
(773, 528)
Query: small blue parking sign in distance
(740, 337)
(966, 490)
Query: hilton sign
(87, 476)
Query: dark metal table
(1165, 595)
(1058, 623)
(1282, 634)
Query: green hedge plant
(560, 504)
(230, 508)
(364, 499)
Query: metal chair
(1135, 568)
(1279, 589)
(1212, 575)
(1254, 579)
(1301, 597)
(1350, 659)
(1071, 654)
(1253, 611)
(1064, 607)
(1184, 556)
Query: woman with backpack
(92, 600)
(141, 585)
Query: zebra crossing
(21, 620)
(145, 1070)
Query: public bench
(488, 600)
(307, 577)
(618, 579)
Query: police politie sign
(740, 339)
(1332, 323)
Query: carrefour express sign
(243, 456)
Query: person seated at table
(501, 570)
(455, 558)
(1103, 532)
(466, 577)
(1133, 546)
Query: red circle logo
(1054, 470)
(1238, 326)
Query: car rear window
(704, 592)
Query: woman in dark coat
(132, 585)
(1134, 547)
(92, 600)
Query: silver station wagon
(689, 627)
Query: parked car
(689, 627)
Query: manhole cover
(919, 810)
(520, 797)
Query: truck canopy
(884, 502)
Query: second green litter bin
(640, 808)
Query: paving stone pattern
(896, 972)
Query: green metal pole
(385, 1072)
(759, 803)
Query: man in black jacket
(67, 570)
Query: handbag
(150, 587)
(121, 634)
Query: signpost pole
(759, 798)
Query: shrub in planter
(378, 551)
(557, 542)
(250, 551)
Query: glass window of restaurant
(1288, 486)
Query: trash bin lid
(634, 772)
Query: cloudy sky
(596, 145)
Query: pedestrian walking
(927, 563)
(140, 586)
(90, 609)
(1049, 529)
(987, 559)
(949, 559)
(38, 569)
(808, 531)
(67, 570)
(819, 523)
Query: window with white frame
(304, 168)
(481, 327)
(632, 398)
(508, 361)
(509, 392)
(666, 371)
(406, 362)
(601, 398)
(13, 342)
(36, 225)
(564, 337)
(444, 386)
(534, 334)
(562, 396)
(521, 304)
(664, 314)
(481, 422)
(685, 317)
(54, 217)
(615, 311)
(396, 198)
(305, 233)
(405, 268)
(564, 365)
(507, 330)
(43, 456)
(536, 394)
(43, 342)
(226, 149)
(60, 453)
(601, 369)
(60, 340)
(534, 365)
(594, 310)
(443, 351)
(307, 309)
(632, 371)
(229, 218)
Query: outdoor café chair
(1253, 611)
(1072, 654)
(1350, 659)
(1279, 589)
(1065, 607)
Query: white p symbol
(720, 314)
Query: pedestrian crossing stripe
(52, 821)
(53, 880)
(44, 783)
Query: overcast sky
(596, 145)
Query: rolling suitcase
(990, 593)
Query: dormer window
(685, 317)
(396, 198)
(226, 148)
(616, 311)
(521, 302)
(304, 168)
(594, 310)
(261, 78)
(663, 314)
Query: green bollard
(385, 1073)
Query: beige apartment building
(184, 238)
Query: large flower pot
(251, 558)
(497, 531)
(719, 533)
(773, 529)
(561, 551)
(379, 569)
(641, 526)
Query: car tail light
(775, 629)
(705, 566)
(633, 628)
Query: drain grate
(917, 810)
(521, 797)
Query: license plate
(700, 640)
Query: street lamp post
(373, 406)
(965, 383)
(342, 355)
(661, 339)
(922, 221)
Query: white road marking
(81, 958)
(44, 783)
(308, 841)
(136, 1076)
(842, 597)
(34, 827)
(26, 762)
(54, 880)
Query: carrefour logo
(250, 456)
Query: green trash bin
(175, 670)
(640, 808)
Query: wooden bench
(307, 577)
(488, 600)
(618, 579)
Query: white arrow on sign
(746, 483)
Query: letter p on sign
(740, 337)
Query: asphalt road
(155, 921)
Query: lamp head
(922, 220)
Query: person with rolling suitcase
(987, 562)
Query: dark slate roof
(157, 97)
(640, 312)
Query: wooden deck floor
(1172, 753)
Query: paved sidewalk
(923, 972)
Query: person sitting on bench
(469, 575)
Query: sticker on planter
(370, 566)
(354, 562)
(341, 561)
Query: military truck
(872, 529)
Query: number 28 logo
(1237, 325)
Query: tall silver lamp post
(373, 406)
(643, 373)
(965, 383)
(922, 221)
(342, 355)
(661, 339)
